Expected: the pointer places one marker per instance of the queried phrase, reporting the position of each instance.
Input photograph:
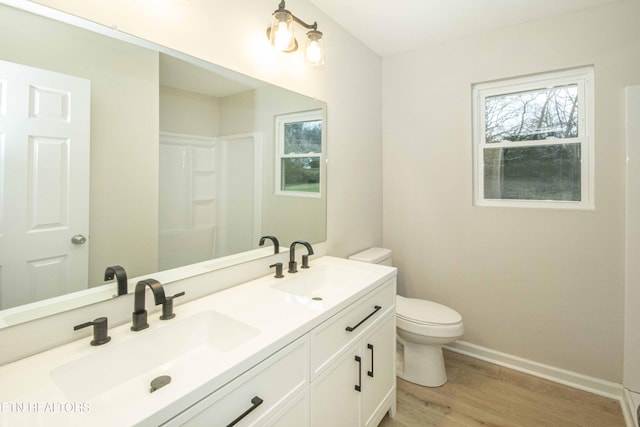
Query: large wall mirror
(118, 152)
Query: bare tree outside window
(542, 172)
(532, 115)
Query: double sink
(209, 338)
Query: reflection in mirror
(132, 155)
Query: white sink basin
(183, 349)
(323, 281)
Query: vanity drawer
(266, 388)
(328, 339)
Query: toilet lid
(425, 312)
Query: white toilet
(423, 327)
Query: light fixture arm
(282, 8)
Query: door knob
(78, 239)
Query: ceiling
(393, 27)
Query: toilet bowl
(422, 327)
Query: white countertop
(29, 395)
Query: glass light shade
(281, 33)
(314, 51)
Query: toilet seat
(428, 318)
(425, 312)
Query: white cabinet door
(335, 395)
(358, 388)
(378, 370)
(354, 384)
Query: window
(533, 141)
(299, 153)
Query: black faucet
(121, 276)
(139, 313)
(276, 244)
(305, 258)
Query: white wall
(188, 112)
(232, 34)
(546, 285)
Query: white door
(44, 183)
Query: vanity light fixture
(281, 36)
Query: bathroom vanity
(315, 348)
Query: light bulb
(282, 37)
(314, 54)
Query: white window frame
(280, 121)
(583, 77)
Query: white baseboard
(629, 405)
(572, 379)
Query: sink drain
(317, 298)
(159, 382)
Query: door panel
(47, 277)
(48, 183)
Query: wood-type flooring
(483, 394)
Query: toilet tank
(374, 256)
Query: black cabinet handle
(370, 347)
(352, 328)
(359, 385)
(256, 401)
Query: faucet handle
(278, 266)
(100, 330)
(167, 307)
(305, 261)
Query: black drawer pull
(256, 401)
(359, 385)
(352, 328)
(370, 347)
